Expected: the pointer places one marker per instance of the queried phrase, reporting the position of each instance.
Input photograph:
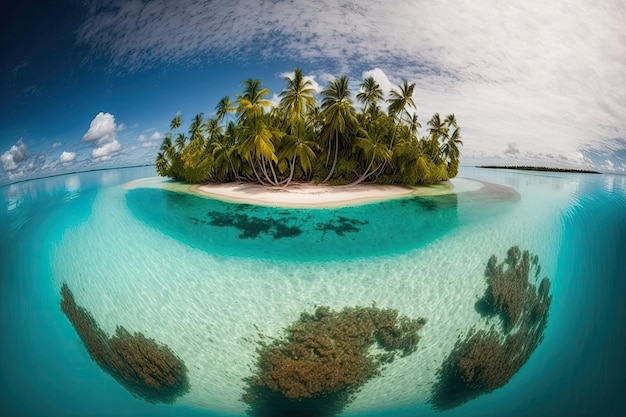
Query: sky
(94, 84)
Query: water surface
(208, 277)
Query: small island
(251, 141)
(545, 169)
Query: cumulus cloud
(103, 151)
(56, 145)
(67, 157)
(543, 75)
(11, 159)
(103, 131)
(101, 128)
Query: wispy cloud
(545, 76)
(147, 136)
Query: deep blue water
(578, 370)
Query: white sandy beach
(307, 195)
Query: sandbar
(306, 195)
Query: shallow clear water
(207, 277)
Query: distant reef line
(532, 168)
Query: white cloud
(11, 159)
(101, 128)
(544, 75)
(326, 78)
(8, 164)
(103, 152)
(67, 157)
(56, 145)
(103, 131)
(156, 135)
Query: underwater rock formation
(324, 359)
(486, 360)
(145, 368)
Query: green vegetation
(325, 358)
(146, 369)
(300, 140)
(487, 360)
(532, 168)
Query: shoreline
(306, 195)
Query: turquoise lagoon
(211, 279)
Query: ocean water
(210, 279)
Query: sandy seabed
(213, 310)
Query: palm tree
(223, 108)
(167, 147)
(297, 98)
(339, 116)
(438, 129)
(225, 153)
(176, 122)
(251, 104)
(300, 150)
(213, 129)
(374, 150)
(370, 94)
(180, 142)
(172, 156)
(413, 124)
(315, 120)
(398, 101)
(450, 147)
(450, 121)
(195, 129)
(257, 147)
(162, 165)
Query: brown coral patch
(324, 360)
(145, 368)
(486, 360)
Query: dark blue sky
(526, 87)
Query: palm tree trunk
(395, 130)
(293, 166)
(258, 178)
(365, 174)
(230, 163)
(267, 177)
(273, 173)
(332, 169)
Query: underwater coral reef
(145, 368)
(487, 359)
(325, 358)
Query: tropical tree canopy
(301, 139)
